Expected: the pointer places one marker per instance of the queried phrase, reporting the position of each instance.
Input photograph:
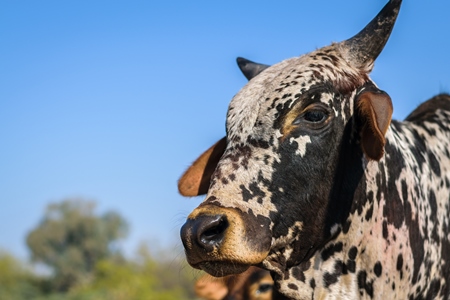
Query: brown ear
(195, 181)
(375, 108)
(211, 288)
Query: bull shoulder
(427, 110)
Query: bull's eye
(264, 288)
(311, 116)
(315, 116)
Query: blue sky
(112, 100)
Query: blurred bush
(71, 239)
(81, 250)
(16, 281)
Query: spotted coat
(315, 183)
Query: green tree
(173, 271)
(16, 281)
(142, 279)
(71, 239)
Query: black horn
(249, 68)
(362, 49)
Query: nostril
(212, 229)
(205, 232)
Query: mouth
(221, 269)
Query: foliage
(125, 281)
(16, 281)
(146, 277)
(80, 248)
(71, 239)
(143, 278)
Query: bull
(316, 183)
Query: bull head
(274, 188)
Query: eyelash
(311, 116)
